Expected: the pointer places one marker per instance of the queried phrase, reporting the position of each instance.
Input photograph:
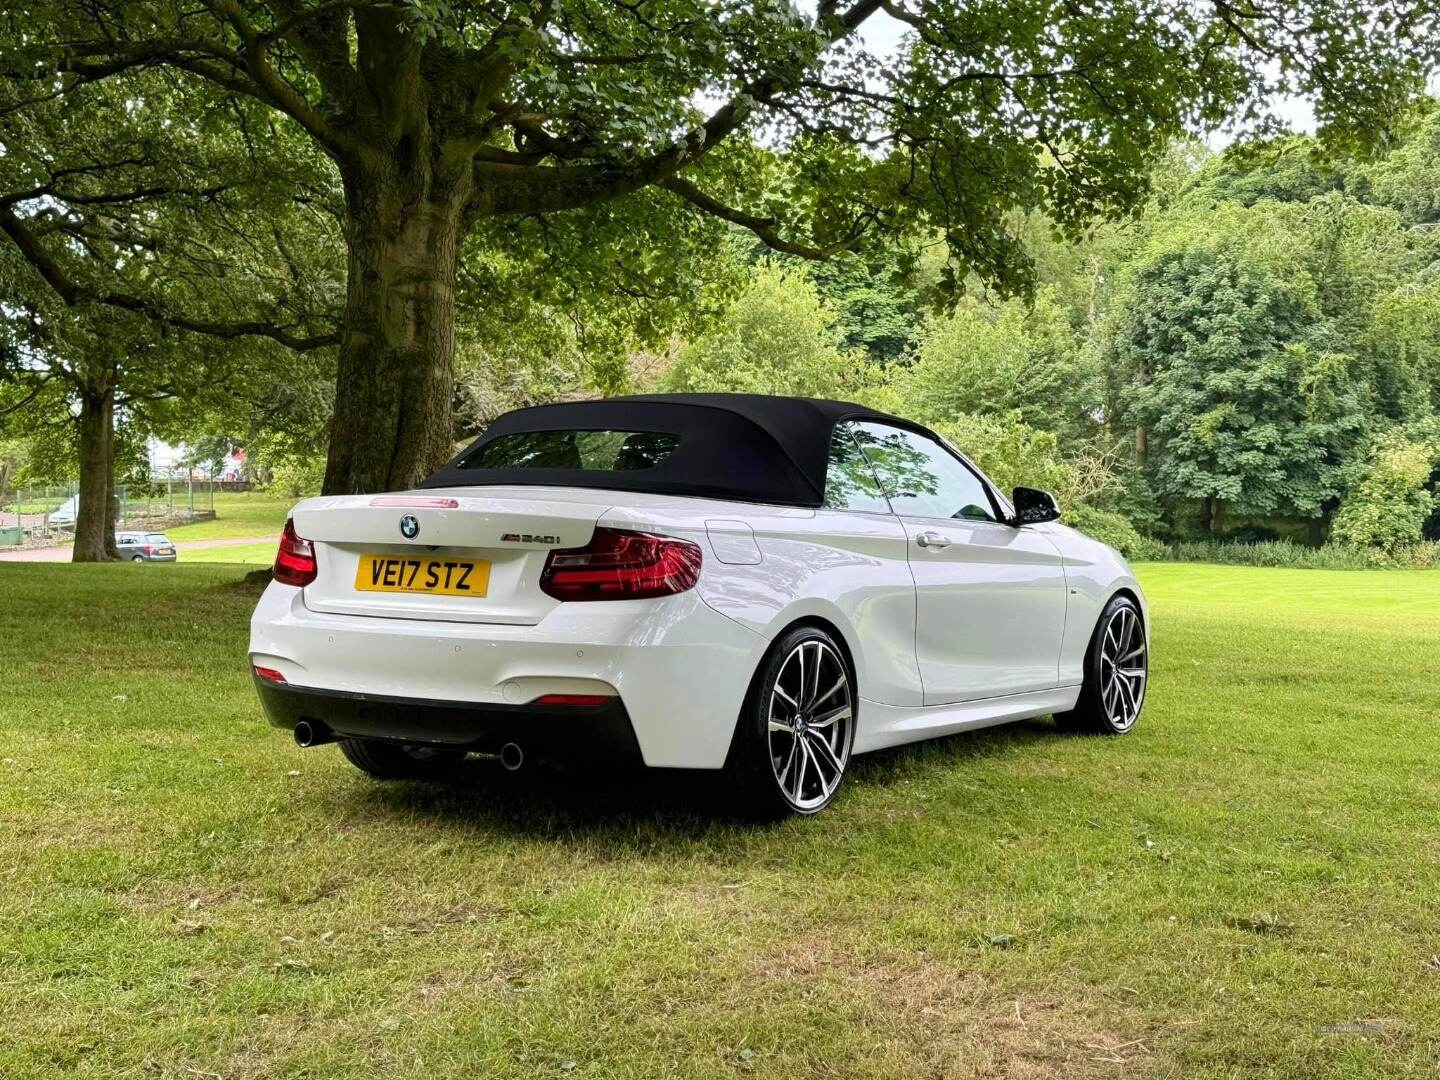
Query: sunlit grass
(250, 554)
(239, 514)
(1246, 885)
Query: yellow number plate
(422, 574)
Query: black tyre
(137, 558)
(396, 761)
(796, 729)
(1117, 670)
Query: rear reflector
(295, 561)
(269, 674)
(574, 700)
(621, 565)
(421, 502)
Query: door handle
(932, 539)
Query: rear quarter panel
(847, 569)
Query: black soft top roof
(749, 447)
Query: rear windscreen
(157, 538)
(593, 451)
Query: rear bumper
(679, 669)
(580, 734)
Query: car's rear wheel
(1117, 670)
(397, 761)
(137, 558)
(793, 740)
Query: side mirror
(1033, 506)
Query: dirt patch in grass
(929, 1018)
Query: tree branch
(766, 228)
(99, 60)
(36, 386)
(535, 189)
(73, 293)
(280, 93)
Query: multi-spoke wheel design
(1122, 667)
(794, 736)
(1116, 672)
(808, 724)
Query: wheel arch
(783, 627)
(819, 622)
(1133, 594)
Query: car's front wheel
(1117, 670)
(396, 761)
(797, 727)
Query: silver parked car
(145, 547)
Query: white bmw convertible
(762, 585)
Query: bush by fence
(1422, 556)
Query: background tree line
(356, 230)
(1257, 355)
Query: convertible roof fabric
(746, 447)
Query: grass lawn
(252, 555)
(243, 513)
(1247, 885)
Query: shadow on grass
(645, 808)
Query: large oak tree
(442, 114)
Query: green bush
(1111, 528)
(995, 359)
(1421, 556)
(1388, 507)
(1010, 452)
(779, 336)
(298, 477)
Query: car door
(873, 583)
(990, 597)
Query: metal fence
(41, 513)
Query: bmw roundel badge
(409, 527)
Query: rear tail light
(149, 549)
(295, 561)
(269, 674)
(620, 565)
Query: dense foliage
(347, 235)
(1257, 359)
(535, 157)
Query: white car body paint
(995, 630)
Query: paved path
(62, 554)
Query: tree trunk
(1142, 437)
(1208, 509)
(94, 525)
(395, 379)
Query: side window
(922, 478)
(849, 480)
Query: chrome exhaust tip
(512, 757)
(309, 733)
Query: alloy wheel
(1123, 671)
(809, 722)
